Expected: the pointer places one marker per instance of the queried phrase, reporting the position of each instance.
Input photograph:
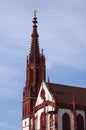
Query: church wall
(38, 116)
(60, 114)
(49, 108)
(69, 112)
(47, 121)
(25, 124)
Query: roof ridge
(66, 85)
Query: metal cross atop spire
(35, 11)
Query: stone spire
(34, 56)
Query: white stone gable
(47, 94)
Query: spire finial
(35, 12)
(34, 56)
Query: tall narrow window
(80, 122)
(66, 122)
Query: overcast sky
(62, 35)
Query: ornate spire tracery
(34, 56)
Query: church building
(46, 105)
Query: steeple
(34, 56)
(35, 72)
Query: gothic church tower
(35, 74)
(49, 106)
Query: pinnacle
(34, 57)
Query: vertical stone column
(74, 113)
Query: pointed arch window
(80, 122)
(65, 122)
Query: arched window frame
(80, 122)
(66, 122)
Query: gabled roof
(63, 95)
(47, 95)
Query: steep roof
(63, 95)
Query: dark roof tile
(64, 94)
